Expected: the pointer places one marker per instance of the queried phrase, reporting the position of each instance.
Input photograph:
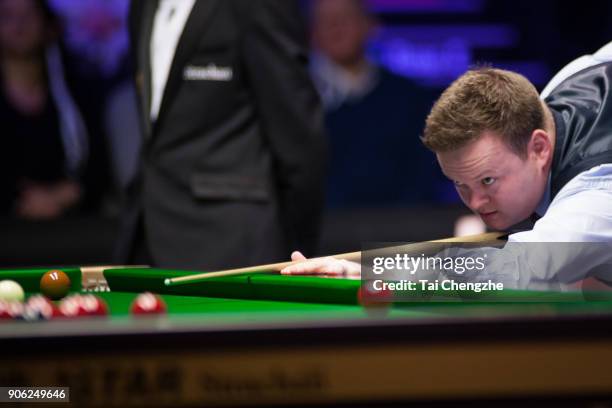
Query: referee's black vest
(582, 108)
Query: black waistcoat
(582, 110)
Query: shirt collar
(336, 86)
(545, 201)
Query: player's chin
(497, 221)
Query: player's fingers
(306, 267)
(322, 266)
(297, 256)
(332, 269)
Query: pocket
(212, 187)
(209, 63)
(210, 72)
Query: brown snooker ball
(55, 284)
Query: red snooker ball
(368, 296)
(83, 306)
(91, 305)
(70, 306)
(55, 284)
(4, 312)
(10, 310)
(148, 304)
(39, 307)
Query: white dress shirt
(337, 86)
(168, 25)
(586, 200)
(580, 216)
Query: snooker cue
(349, 256)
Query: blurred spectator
(373, 116)
(50, 163)
(96, 30)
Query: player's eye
(457, 183)
(487, 181)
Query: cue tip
(167, 281)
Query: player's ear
(540, 145)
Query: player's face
(340, 30)
(495, 182)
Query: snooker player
(513, 154)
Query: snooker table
(271, 340)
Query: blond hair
(485, 99)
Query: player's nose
(479, 202)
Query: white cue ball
(11, 291)
(469, 225)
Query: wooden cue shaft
(349, 256)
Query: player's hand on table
(326, 266)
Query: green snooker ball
(55, 284)
(11, 291)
